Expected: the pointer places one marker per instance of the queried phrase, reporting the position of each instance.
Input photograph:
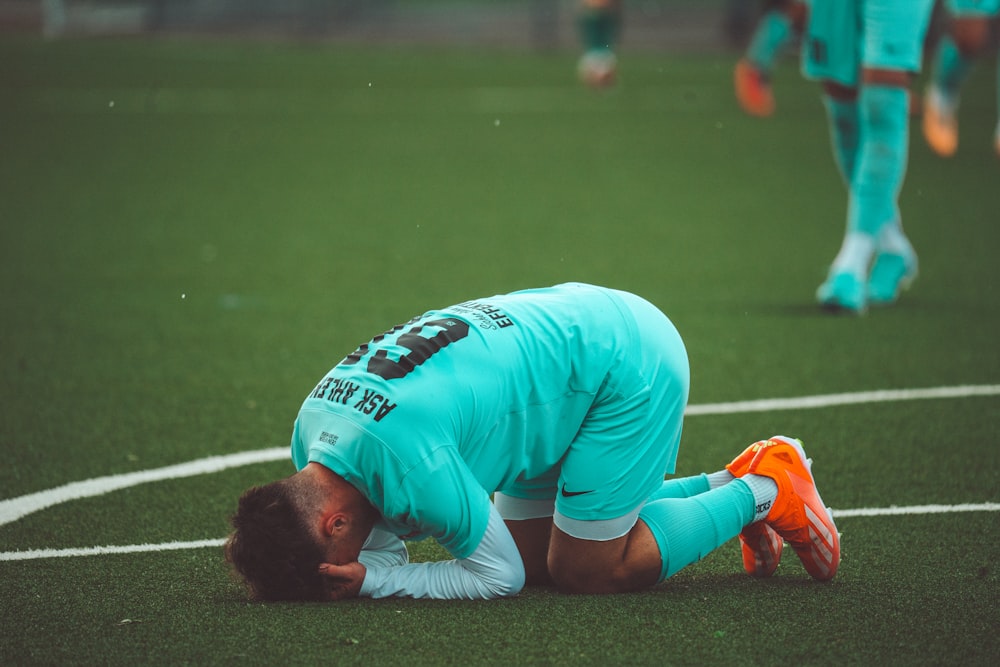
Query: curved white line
(36, 554)
(13, 509)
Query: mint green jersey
(497, 394)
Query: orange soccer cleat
(753, 90)
(741, 464)
(798, 514)
(760, 546)
(940, 124)
(598, 68)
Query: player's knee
(571, 578)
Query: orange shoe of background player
(753, 90)
(940, 124)
(798, 514)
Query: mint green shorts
(971, 8)
(845, 36)
(627, 443)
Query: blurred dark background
(536, 24)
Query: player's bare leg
(532, 538)
(628, 563)
(670, 534)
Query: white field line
(916, 509)
(830, 400)
(37, 554)
(13, 509)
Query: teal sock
(770, 36)
(688, 529)
(883, 112)
(599, 28)
(681, 487)
(842, 118)
(950, 68)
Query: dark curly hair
(272, 549)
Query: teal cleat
(890, 274)
(843, 292)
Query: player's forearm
(493, 570)
(383, 549)
(446, 580)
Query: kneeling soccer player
(565, 403)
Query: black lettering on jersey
(355, 357)
(421, 348)
(384, 409)
(367, 402)
(372, 401)
(335, 390)
(321, 388)
(488, 315)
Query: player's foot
(940, 123)
(798, 514)
(842, 291)
(753, 89)
(891, 274)
(996, 139)
(741, 464)
(598, 68)
(760, 546)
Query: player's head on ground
(284, 530)
(272, 548)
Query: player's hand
(344, 580)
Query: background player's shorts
(968, 8)
(844, 36)
(627, 442)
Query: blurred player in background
(865, 52)
(962, 44)
(566, 405)
(599, 24)
(779, 27)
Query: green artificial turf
(193, 232)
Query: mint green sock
(681, 487)
(883, 112)
(688, 529)
(771, 35)
(842, 117)
(599, 27)
(950, 68)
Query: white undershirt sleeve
(493, 570)
(383, 549)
